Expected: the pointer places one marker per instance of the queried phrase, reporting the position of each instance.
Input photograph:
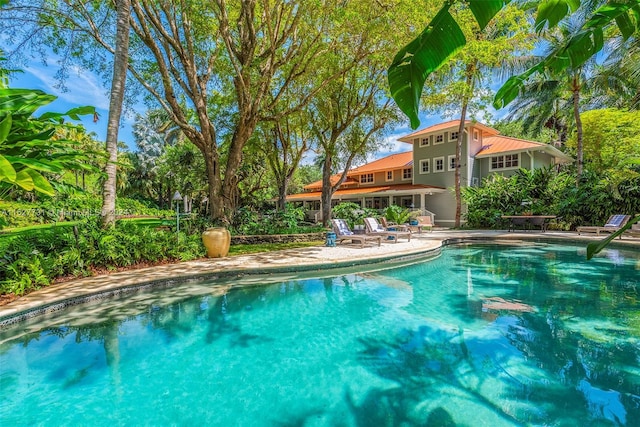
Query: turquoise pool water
(481, 336)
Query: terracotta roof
(394, 161)
(451, 124)
(505, 144)
(367, 190)
(333, 179)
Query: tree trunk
(107, 213)
(213, 178)
(327, 190)
(575, 87)
(463, 117)
(282, 194)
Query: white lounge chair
(343, 232)
(374, 228)
(613, 224)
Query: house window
(407, 173)
(438, 164)
(476, 135)
(439, 139)
(507, 161)
(452, 163)
(453, 136)
(389, 176)
(425, 166)
(424, 142)
(365, 178)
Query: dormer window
(366, 178)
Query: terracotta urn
(216, 240)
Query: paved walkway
(292, 260)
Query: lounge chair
(374, 228)
(423, 222)
(343, 232)
(393, 226)
(634, 231)
(614, 223)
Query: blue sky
(83, 88)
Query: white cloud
(391, 146)
(83, 86)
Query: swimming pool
(484, 335)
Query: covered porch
(411, 196)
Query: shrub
(352, 213)
(34, 259)
(290, 221)
(398, 214)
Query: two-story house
(423, 178)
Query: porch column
(423, 202)
(390, 200)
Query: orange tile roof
(365, 190)
(451, 124)
(394, 161)
(333, 180)
(505, 144)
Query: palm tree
(123, 12)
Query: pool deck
(316, 259)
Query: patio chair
(392, 226)
(423, 222)
(374, 228)
(614, 223)
(343, 232)
(634, 231)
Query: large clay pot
(216, 240)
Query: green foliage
(289, 221)
(34, 259)
(28, 146)
(442, 38)
(611, 140)
(546, 192)
(398, 214)
(352, 213)
(580, 46)
(69, 207)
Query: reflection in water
(529, 336)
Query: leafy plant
(28, 147)
(398, 214)
(352, 213)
